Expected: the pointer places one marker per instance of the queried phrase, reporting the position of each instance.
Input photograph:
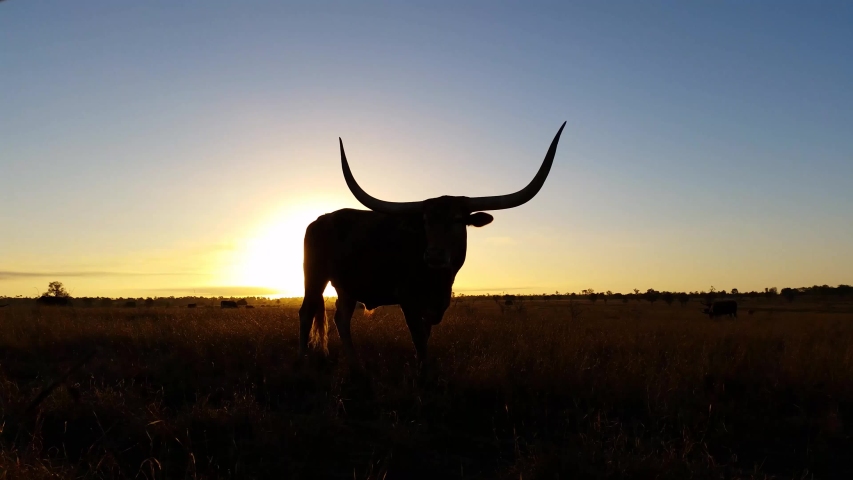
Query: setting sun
(272, 256)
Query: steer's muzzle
(437, 258)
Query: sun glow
(272, 256)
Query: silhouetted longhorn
(403, 254)
(227, 304)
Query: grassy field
(620, 390)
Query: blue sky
(181, 146)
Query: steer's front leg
(420, 329)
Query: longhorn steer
(403, 254)
(227, 304)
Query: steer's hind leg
(312, 305)
(344, 308)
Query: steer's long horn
(374, 203)
(524, 195)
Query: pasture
(556, 390)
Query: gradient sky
(160, 148)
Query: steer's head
(445, 218)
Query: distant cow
(191, 305)
(228, 304)
(54, 301)
(721, 308)
(250, 306)
(130, 304)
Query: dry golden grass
(626, 390)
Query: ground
(549, 390)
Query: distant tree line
(57, 295)
(651, 295)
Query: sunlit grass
(623, 390)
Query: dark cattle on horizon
(191, 305)
(54, 301)
(721, 308)
(396, 253)
(227, 304)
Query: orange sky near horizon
(266, 260)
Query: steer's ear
(479, 219)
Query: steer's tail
(320, 328)
(313, 311)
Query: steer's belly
(371, 294)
